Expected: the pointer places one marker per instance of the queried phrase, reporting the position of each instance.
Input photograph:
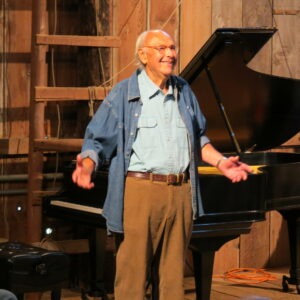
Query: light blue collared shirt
(161, 144)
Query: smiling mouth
(169, 62)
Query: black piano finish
(263, 110)
(82, 208)
(246, 110)
(72, 195)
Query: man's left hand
(234, 169)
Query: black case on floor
(25, 268)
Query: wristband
(219, 161)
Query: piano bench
(28, 269)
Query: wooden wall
(15, 43)
(191, 22)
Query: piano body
(83, 208)
(266, 113)
(263, 112)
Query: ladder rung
(59, 145)
(42, 193)
(70, 93)
(78, 40)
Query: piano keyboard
(79, 207)
(209, 170)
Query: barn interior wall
(191, 23)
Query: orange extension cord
(247, 276)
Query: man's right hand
(82, 174)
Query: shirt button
(136, 114)
(131, 133)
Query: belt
(169, 179)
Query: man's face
(159, 55)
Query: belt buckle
(173, 179)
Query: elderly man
(152, 132)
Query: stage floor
(223, 289)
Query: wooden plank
(255, 251)
(270, 289)
(254, 247)
(68, 246)
(74, 246)
(195, 28)
(39, 194)
(294, 141)
(286, 45)
(15, 69)
(226, 13)
(59, 145)
(166, 19)
(130, 20)
(221, 289)
(279, 241)
(259, 14)
(286, 49)
(14, 146)
(78, 40)
(39, 76)
(286, 11)
(70, 93)
(227, 257)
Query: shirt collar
(149, 89)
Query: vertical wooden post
(36, 121)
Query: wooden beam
(43, 193)
(74, 246)
(78, 40)
(39, 76)
(70, 93)
(59, 145)
(285, 11)
(67, 246)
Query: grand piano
(265, 112)
(248, 113)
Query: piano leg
(203, 267)
(203, 250)
(97, 242)
(293, 223)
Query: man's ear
(142, 56)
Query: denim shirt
(110, 135)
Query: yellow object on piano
(208, 170)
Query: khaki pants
(157, 230)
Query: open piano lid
(244, 108)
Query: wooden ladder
(40, 94)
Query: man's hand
(233, 169)
(82, 174)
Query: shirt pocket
(147, 122)
(180, 124)
(182, 140)
(147, 132)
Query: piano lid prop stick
(222, 109)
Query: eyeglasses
(162, 49)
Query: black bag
(25, 268)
